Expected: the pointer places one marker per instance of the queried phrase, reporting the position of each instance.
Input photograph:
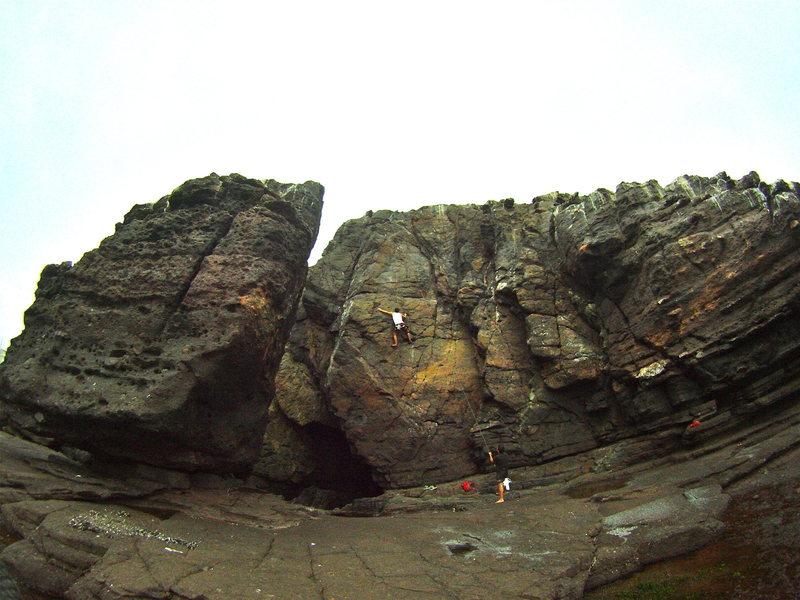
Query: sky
(109, 103)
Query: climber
(501, 468)
(399, 325)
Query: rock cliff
(161, 345)
(551, 327)
(636, 352)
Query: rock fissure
(259, 564)
(154, 583)
(314, 577)
(180, 297)
(183, 578)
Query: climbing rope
(474, 416)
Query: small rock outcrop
(551, 327)
(161, 345)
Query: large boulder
(551, 327)
(161, 346)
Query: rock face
(161, 345)
(586, 334)
(551, 327)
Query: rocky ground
(566, 527)
(756, 558)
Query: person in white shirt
(399, 325)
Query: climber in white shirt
(399, 325)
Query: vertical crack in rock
(198, 266)
(260, 561)
(312, 575)
(378, 579)
(141, 558)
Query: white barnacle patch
(120, 523)
(536, 556)
(652, 369)
(504, 534)
(621, 531)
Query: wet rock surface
(553, 327)
(161, 345)
(563, 530)
(756, 558)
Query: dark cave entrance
(340, 476)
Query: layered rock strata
(75, 535)
(161, 345)
(551, 327)
(586, 334)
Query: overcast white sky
(109, 103)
